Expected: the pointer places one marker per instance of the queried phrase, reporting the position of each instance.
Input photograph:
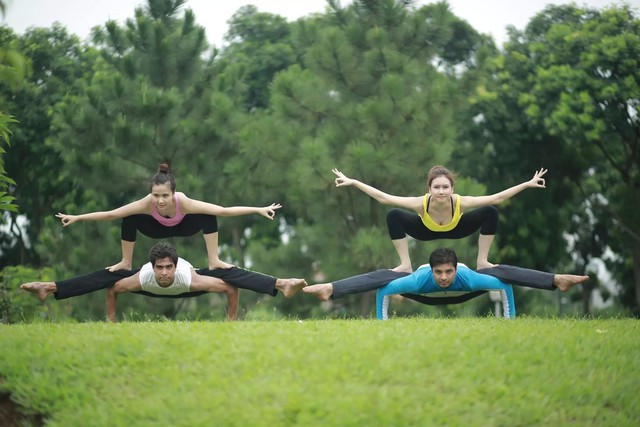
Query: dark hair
(443, 256)
(163, 250)
(163, 176)
(437, 171)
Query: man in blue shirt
(450, 280)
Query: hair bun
(163, 168)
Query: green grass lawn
(404, 372)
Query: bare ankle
(564, 282)
(322, 291)
(403, 268)
(289, 287)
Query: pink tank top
(168, 222)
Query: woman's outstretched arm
(494, 199)
(188, 205)
(413, 203)
(137, 207)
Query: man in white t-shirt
(168, 274)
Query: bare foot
(122, 265)
(564, 282)
(289, 287)
(322, 291)
(403, 269)
(40, 289)
(484, 264)
(213, 264)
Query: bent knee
(394, 214)
(492, 211)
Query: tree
(13, 69)
(6, 200)
(368, 100)
(260, 45)
(564, 94)
(57, 61)
(146, 102)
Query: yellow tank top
(434, 226)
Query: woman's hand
(537, 181)
(269, 211)
(67, 219)
(342, 180)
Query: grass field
(404, 372)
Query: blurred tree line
(380, 89)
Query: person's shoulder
(183, 263)
(146, 199)
(464, 270)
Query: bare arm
(188, 205)
(137, 207)
(127, 284)
(213, 284)
(414, 203)
(494, 199)
(112, 299)
(233, 300)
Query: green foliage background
(381, 89)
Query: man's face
(444, 274)
(165, 271)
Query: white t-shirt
(181, 282)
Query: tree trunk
(4, 305)
(587, 290)
(365, 303)
(635, 254)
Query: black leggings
(150, 227)
(400, 223)
(102, 279)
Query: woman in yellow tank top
(439, 213)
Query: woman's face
(162, 196)
(441, 188)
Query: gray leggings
(507, 273)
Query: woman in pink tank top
(166, 213)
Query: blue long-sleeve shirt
(422, 282)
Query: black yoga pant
(102, 279)
(401, 222)
(244, 279)
(150, 227)
(91, 282)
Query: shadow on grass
(14, 415)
